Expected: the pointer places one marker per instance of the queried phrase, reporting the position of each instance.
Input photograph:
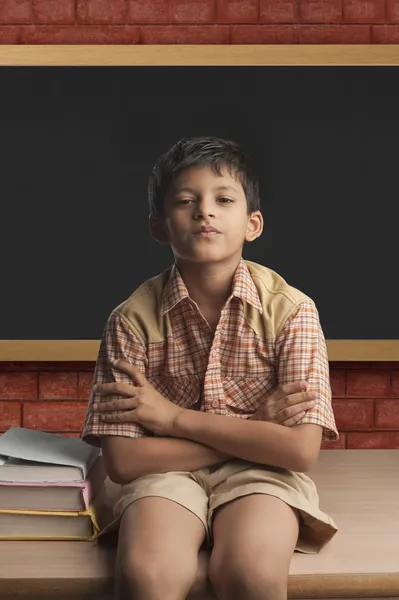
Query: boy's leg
(157, 556)
(254, 540)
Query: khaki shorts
(202, 491)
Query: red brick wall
(53, 397)
(199, 21)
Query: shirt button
(215, 403)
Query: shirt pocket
(182, 391)
(244, 395)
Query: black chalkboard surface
(78, 145)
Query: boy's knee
(250, 580)
(154, 577)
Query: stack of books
(51, 486)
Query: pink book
(55, 495)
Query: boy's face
(198, 198)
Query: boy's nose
(203, 207)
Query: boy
(203, 345)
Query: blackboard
(78, 145)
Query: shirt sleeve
(118, 342)
(301, 354)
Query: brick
(80, 35)
(334, 34)
(60, 12)
(367, 383)
(19, 386)
(387, 440)
(338, 382)
(381, 34)
(338, 445)
(278, 11)
(54, 416)
(85, 381)
(392, 11)
(237, 11)
(364, 11)
(387, 414)
(10, 35)
(263, 34)
(192, 11)
(170, 34)
(347, 365)
(320, 11)
(150, 11)
(54, 386)
(10, 415)
(394, 374)
(101, 12)
(385, 365)
(15, 11)
(46, 366)
(354, 414)
(70, 434)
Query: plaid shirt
(269, 334)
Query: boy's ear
(255, 226)
(157, 230)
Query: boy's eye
(190, 199)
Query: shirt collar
(243, 287)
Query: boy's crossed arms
(195, 439)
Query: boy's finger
(121, 404)
(305, 400)
(286, 412)
(294, 419)
(291, 388)
(299, 397)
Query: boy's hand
(144, 404)
(287, 405)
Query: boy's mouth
(206, 229)
(207, 234)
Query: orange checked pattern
(269, 334)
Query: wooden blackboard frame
(194, 55)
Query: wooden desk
(358, 488)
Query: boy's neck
(209, 285)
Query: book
(54, 525)
(30, 455)
(56, 496)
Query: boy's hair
(202, 151)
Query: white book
(29, 455)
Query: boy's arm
(301, 355)
(128, 458)
(118, 342)
(129, 450)
(257, 441)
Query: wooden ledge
(87, 350)
(196, 54)
(358, 488)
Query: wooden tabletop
(359, 489)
